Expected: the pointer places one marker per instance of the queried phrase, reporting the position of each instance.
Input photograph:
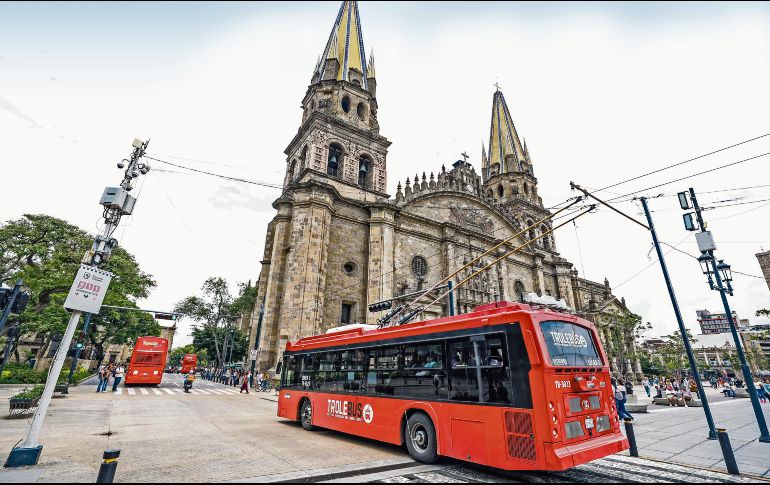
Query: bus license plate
(589, 423)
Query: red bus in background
(147, 361)
(189, 362)
(508, 386)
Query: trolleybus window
(383, 366)
(480, 371)
(570, 345)
(423, 375)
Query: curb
(706, 468)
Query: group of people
(237, 377)
(113, 371)
(728, 385)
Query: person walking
(119, 373)
(245, 383)
(106, 377)
(620, 399)
(646, 385)
(100, 376)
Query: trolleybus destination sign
(88, 289)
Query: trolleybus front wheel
(306, 415)
(421, 438)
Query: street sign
(253, 355)
(88, 289)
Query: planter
(23, 406)
(61, 390)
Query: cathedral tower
(339, 136)
(509, 179)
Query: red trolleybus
(189, 363)
(148, 361)
(508, 386)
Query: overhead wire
(226, 177)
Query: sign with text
(88, 289)
(253, 355)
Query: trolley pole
(688, 348)
(708, 260)
(116, 202)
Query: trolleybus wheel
(306, 415)
(421, 438)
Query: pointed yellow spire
(346, 45)
(503, 139)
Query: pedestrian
(100, 376)
(245, 383)
(620, 399)
(629, 387)
(265, 381)
(646, 385)
(259, 381)
(119, 373)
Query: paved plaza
(216, 434)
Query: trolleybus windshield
(148, 358)
(570, 345)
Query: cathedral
(339, 242)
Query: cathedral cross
(465, 156)
(497, 86)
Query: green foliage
(673, 355)
(649, 366)
(203, 338)
(22, 374)
(46, 252)
(176, 355)
(624, 328)
(33, 393)
(216, 310)
(763, 313)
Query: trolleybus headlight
(136, 372)
(555, 421)
(555, 433)
(550, 406)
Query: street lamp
(719, 278)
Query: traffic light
(21, 303)
(380, 306)
(165, 316)
(21, 300)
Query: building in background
(717, 322)
(764, 263)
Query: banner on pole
(88, 289)
(253, 355)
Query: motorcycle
(188, 382)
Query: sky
(602, 92)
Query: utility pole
(712, 435)
(680, 322)
(722, 276)
(91, 283)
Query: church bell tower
(340, 136)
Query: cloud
(12, 108)
(230, 197)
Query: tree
(673, 355)
(46, 252)
(216, 310)
(203, 339)
(624, 329)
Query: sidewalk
(679, 434)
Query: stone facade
(339, 243)
(764, 263)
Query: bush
(22, 374)
(33, 393)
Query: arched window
(518, 290)
(526, 189)
(303, 158)
(346, 104)
(365, 172)
(532, 234)
(500, 191)
(334, 160)
(545, 239)
(419, 267)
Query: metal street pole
(10, 336)
(680, 322)
(116, 202)
(11, 302)
(764, 436)
(763, 432)
(73, 367)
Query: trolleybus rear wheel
(306, 415)
(421, 438)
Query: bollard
(631, 437)
(727, 451)
(108, 467)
